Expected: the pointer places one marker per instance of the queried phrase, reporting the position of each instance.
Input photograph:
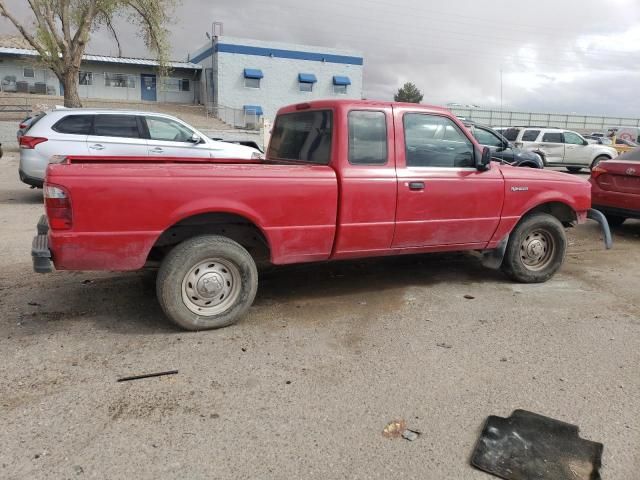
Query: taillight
(29, 143)
(58, 205)
(597, 171)
(22, 125)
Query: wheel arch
(239, 228)
(562, 211)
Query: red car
(341, 179)
(615, 187)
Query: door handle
(96, 146)
(416, 186)
(157, 150)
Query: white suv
(559, 148)
(64, 132)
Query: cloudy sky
(567, 56)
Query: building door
(148, 85)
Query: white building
(102, 77)
(260, 77)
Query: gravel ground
(329, 354)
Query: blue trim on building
(253, 73)
(257, 109)
(279, 53)
(307, 78)
(340, 80)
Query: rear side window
(74, 125)
(552, 137)
(530, 135)
(511, 134)
(367, 138)
(116, 126)
(302, 136)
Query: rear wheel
(535, 250)
(207, 282)
(597, 160)
(574, 169)
(615, 220)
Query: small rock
(288, 382)
(443, 345)
(36, 456)
(469, 297)
(410, 435)
(243, 349)
(214, 415)
(503, 359)
(562, 379)
(34, 304)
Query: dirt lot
(329, 354)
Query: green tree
(61, 29)
(408, 93)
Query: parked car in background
(560, 148)
(63, 132)
(615, 187)
(501, 149)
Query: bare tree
(62, 28)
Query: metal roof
(106, 59)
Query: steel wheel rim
(537, 249)
(211, 287)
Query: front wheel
(207, 282)
(535, 250)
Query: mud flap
(598, 216)
(493, 258)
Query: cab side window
(435, 141)
(367, 138)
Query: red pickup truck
(341, 180)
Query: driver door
(168, 138)
(575, 151)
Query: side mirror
(483, 161)
(195, 138)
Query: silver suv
(559, 148)
(63, 132)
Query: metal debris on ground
(527, 446)
(147, 375)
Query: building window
(252, 82)
(306, 81)
(28, 72)
(252, 77)
(85, 78)
(341, 84)
(121, 80)
(176, 84)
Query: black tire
(574, 169)
(225, 263)
(599, 159)
(615, 220)
(537, 235)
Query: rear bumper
(40, 252)
(604, 225)
(29, 180)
